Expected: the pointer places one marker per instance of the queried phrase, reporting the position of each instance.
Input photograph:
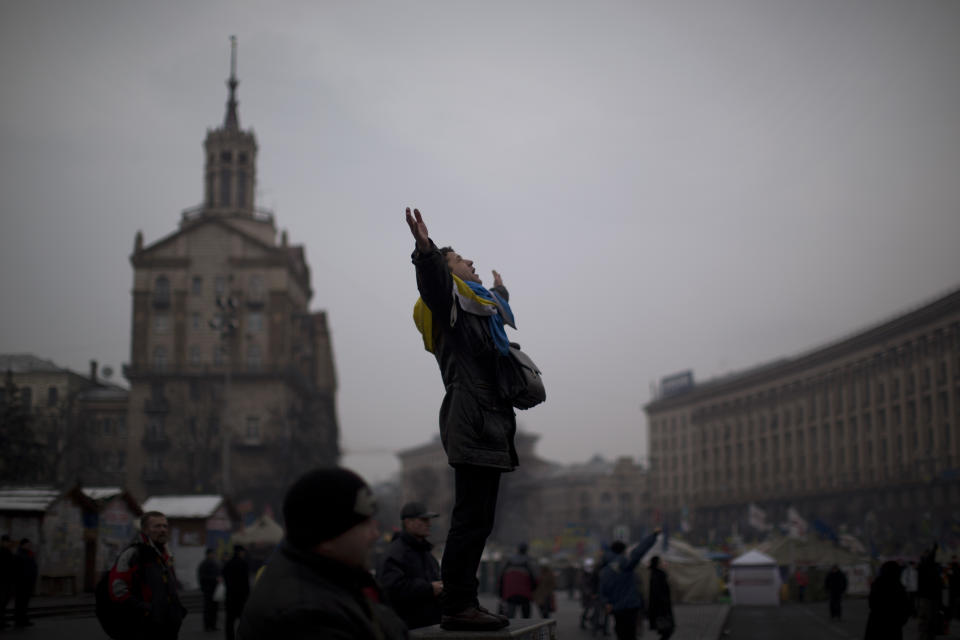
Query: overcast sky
(663, 185)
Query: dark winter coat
(660, 607)
(143, 577)
(406, 574)
(301, 595)
(890, 607)
(207, 575)
(477, 427)
(7, 572)
(618, 584)
(236, 580)
(517, 580)
(26, 572)
(835, 584)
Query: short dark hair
(654, 562)
(445, 250)
(618, 547)
(145, 518)
(24, 541)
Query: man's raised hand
(419, 230)
(497, 281)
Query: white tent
(264, 531)
(690, 573)
(754, 579)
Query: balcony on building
(155, 441)
(155, 475)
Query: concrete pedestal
(518, 629)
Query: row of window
(161, 357)
(161, 287)
(25, 394)
(156, 431)
(161, 322)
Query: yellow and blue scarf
(475, 299)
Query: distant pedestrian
(7, 577)
(660, 609)
(25, 569)
(143, 579)
(208, 575)
(543, 594)
(592, 609)
(802, 579)
(953, 583)
(929, 595)
(835, 585)
(517, 582)
(909, 581)
(889, 605)
(409, 572)
(236, 580)
(618, 586)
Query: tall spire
(231, 122)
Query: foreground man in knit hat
(462, 325)
(318, 583)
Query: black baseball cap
(416, 510)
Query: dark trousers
(625, 623)
(233, 609)
(210, 607)
(474, 507)
(836, 606)
(5, 594)
(524, 605)
(20, 602)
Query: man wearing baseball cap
(410, 574)
(318, 583)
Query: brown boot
(472, 619)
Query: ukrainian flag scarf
(475, 299)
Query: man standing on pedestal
(462, 324)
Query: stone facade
(552, 506)
(76, 422)
(232, 378)
(858, 431)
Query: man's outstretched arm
(433, 276)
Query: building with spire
(232, 379)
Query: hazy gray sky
(662, 185)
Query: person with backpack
(137, 599)
(517, 582)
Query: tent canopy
(264, 531)
(753, 558)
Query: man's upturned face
(419, 527)
(157, 530)
(461, 268)
(352, 547)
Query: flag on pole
(757, 517)
(796, 526)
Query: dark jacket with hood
(302, 595)
(618, 584)
(406, 574)
(477, 427)
(890, 606)
(143, 578)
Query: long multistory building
(862, 432)
(232, 381)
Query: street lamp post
(225, 321)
